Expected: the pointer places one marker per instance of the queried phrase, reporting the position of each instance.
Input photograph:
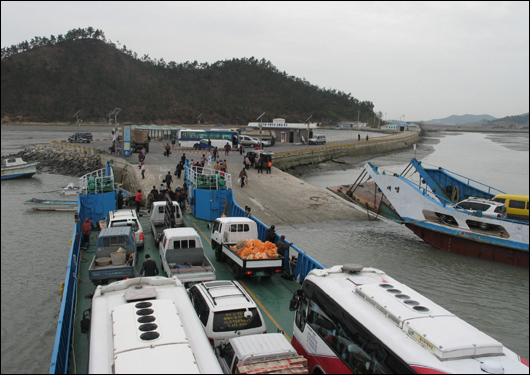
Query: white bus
(354, 320)
(200, 139)
(147, 325)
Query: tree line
(229, 91)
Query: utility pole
(308, 128)
(260, 130)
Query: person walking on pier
(180, 167)
(227, 148)
(215, 153)
(366, 137)
(243, 177)
(358, 137)
(260, 165)
(149, 267)
(142, 168)
(269, 166)
(247, 163)
(169, 179)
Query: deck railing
(61, 349)
(206, 178)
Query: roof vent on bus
(352, 268)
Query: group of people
(158, 195)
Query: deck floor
(272, 295)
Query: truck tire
(219, 255)
(237, 272)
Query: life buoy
(455, 197)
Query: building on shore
(287, 132)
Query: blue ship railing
(61, 349)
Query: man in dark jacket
(149, 267)
(271, 234)
(169, 179)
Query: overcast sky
(413, 60)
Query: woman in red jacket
(138, 200)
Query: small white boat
(17, 168)
(71, 189)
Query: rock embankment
(65, 162)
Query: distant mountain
(464, 119)
(50, 79)
(521, 120)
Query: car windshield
(234, 320)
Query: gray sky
(413, 60)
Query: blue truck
(115, 255)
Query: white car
(127, 217)
(226, 310)
(482, 207)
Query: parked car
(317, 139)
(88, 135)
(127, 217)
(488, 208)
(482, 207)
(246, 140)
(226, 310)
(78, 138)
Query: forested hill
(51, 81)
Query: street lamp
(260, 124)
(308, 128)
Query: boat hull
(11, 175)
(20, 171)
(463, 246)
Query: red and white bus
(350, 319)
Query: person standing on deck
(271, 234)
(149, 267)
(120, 199)
(85, 230)
(138, 200)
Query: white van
(317, 138)
(127, 217)
(226, 310)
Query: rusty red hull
(463, 246)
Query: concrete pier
(277, 198)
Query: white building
(287, 132)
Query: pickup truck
(262, 353)
(105, 265)
(164, 218)
(182, 255)
(229, 232)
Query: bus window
(357, 348)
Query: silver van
(317, 139)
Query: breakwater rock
(66, 162)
